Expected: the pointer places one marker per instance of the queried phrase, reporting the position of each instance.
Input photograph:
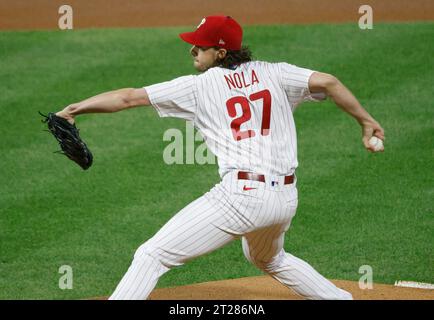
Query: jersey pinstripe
(244, 115)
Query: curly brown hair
(235, 57)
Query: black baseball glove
(69, 140)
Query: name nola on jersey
(239, 80)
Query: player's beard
(202, 68)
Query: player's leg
(264, 248)
(192, 232)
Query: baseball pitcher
(244, 110)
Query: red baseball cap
(216, 31)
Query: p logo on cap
(201, 23)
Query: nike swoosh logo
(247, 188)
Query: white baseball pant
(260, 216)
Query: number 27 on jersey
(236, 123)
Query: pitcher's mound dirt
(266, 288)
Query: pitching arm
(112, 101)
(330, 85)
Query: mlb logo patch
(274, 183)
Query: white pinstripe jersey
(244, 115)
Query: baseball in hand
(376, 143)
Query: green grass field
(355, 208)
